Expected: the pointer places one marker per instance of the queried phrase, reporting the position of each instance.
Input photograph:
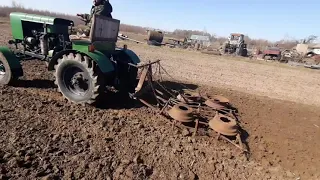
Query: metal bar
(196, 128)
(204, 123)
(122, 38)
(143, 65)
(150, 82)
(161, 93)
(146, 103)
(160, 98)
(236, 145)
(38, 56)
(165, 89)
(167, 103)
(141, 80)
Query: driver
(100, 7)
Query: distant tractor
(235, 45)
(83, 67)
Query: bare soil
(44, 137)
(271, 79)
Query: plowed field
(44, 137)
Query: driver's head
(97, 2)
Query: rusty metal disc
(213, 104)
(217, 102)
(187, 99)
(182, 113)
(224, 125)
(190, 96)
(220, 99)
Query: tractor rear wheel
(244, 53)
(6, 75)
(78, 79)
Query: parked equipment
(235, 45)
(272, 53)
(155, 38)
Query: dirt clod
(185, 132)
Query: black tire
(244, 53)
(238, 51)
(278, 58)
(264, 57)
(6, 75)
(310, 55)
(79, 79)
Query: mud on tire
(78, 78)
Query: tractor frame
(84, 67)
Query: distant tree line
(178, 33)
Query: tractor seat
(79, 37)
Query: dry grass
(274, 80)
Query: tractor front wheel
(6, 75)
(78, 79)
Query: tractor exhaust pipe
(44, 41)
(44, 45)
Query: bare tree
(15, 4)
(309, 39)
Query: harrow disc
(182, 113)
(224, 125)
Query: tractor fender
(103, 61)
(13, 61)
(133, 56)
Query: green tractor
(83, 67)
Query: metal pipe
(147, 104)
(161, 99)
(146, 64)
(39, 56)
(44, 45)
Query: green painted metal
(80, 45)
(135, 59)
(104, 46)
(100, 58)
(54, 25)
(133, 56)
(13, 61)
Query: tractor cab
(236, 38)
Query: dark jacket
(104, 9)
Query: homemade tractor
(235, 45)
(84, 68)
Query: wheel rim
(2, 70)
(76, 80)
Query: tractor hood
(18, 16)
